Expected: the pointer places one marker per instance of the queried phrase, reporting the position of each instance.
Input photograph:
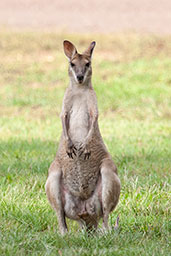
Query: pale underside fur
(82, 183)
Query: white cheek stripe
(74, 75)
(85, 75)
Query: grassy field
(132, 79)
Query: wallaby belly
(80, 176)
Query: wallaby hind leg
(54, 194)
(110, 189)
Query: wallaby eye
(72, 65)
(88, 64)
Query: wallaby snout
(80, 78)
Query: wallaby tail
(117, 222)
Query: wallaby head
(80, 70)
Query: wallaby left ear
(69, 49)
(89, 50)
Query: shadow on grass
(33, 157)
(25, 158)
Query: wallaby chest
(79, 117)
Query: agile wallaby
(82, 182)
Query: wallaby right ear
(90, 49)
(69, 49)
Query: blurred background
(88, 16)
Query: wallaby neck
(86, 85)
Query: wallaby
(82, 181)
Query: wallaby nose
(80, 78)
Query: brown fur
(82, 183)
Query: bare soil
(152, 16)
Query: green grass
(131, 76)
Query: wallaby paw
(70, 149)
(84, 149)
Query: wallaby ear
(69, 49)
(89, 50)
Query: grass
(131, 76)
